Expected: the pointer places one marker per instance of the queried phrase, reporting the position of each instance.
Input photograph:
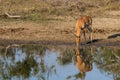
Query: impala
(83, 23)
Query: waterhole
(40, 62)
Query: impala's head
(89, 24)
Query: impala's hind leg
(90, 33)
(84, 34)
(90, 37)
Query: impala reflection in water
(39, 62)
(84, 61)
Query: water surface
(39, 62)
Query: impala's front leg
(91, 37)
(77, 41)
(78, 37)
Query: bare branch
(13, 45)
(12, 16)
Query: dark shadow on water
(113, 36)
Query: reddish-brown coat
(83, 23)
(82, 65)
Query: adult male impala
(83, 23)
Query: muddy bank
(96, 42)
(106, 32)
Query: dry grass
(59, 32)
(39, 9)
(53, 20)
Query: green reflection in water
(11, 68)
(32, 61)
(23, 68)
(108, 60)
(66, 56)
